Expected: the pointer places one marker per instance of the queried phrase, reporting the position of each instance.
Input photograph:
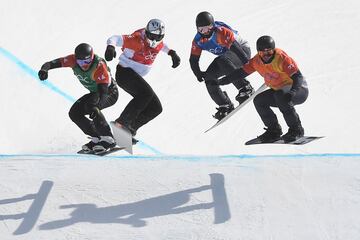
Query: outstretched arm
(112, 42)
(43, 73)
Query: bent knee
(74, 115)
(257, 101)
(160, 109)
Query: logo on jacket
(216, 50)
(150, 56)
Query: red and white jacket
(137, 54)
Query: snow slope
(206, 186)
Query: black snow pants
(222, 66)
(272, 98)
(145, 104)
(83, 106)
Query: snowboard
(123, 137)
(111, 150)
(300, 141)
(259, 90)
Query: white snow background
(181, 183)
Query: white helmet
(154, 31)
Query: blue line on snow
(53, 88)
(191, 158)
(34, 74)
(143, 145)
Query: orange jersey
(277, 74)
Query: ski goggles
(153, 36)
(266, 52)
(205, 29)
(83, 62)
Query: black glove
(95, 111)
(43, 74)
(175, 58)
(289, 96)
(201, 76)
(110, 53)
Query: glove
(201, 76)
(43, 74)
(289, 96)
(95, 112)
(110, 53)
(175, 58)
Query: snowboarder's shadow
(30, 217)
(134, 214)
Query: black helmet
(265, 42)
(83, 51)
(204, 19)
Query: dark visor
(153, 36)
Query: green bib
(86, 78)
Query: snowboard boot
(105, 143)
(88, 147)
(293, 134)
(127, 127)
(244, 93)
(271, 134)
(223, 110)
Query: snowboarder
(94, 74)
(287, 88)
(232, 52)
(139, 51)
